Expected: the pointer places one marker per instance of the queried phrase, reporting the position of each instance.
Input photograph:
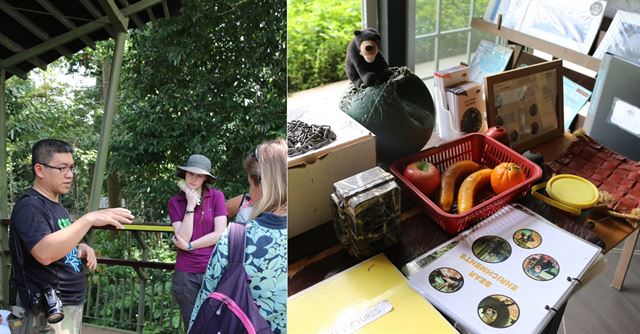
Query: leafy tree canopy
(51, 109)
(210, 81)
(319, 32)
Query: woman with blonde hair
(265, 258)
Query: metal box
(366, 209)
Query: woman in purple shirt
(198, 216)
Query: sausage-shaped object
(470, 187)
(452, 175)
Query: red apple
(499, 133)
(424, 175)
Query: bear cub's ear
(357, 32)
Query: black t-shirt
(33, 218)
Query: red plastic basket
(483, 150)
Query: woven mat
(609, 171)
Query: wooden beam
(139, 6)
(20, 73)
(151, 16)
(55, 12)
(165, 9)
(133, 17)
(85, 29)
(136, 264)
(4, 212)
(54, 42)
(118, 21)
(32, 27)
(4, 208)
(15, 47)
(91, 8)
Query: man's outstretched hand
(115, 217)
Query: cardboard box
(312, 175)
(466, 106)
(449, 77)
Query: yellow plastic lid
(573, 190)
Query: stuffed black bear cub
(364, 64)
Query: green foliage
(88, 62)
(319, 32)
(114, 294)
(50, 110)
(210, 82)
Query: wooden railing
(132, 301)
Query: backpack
(230, 308)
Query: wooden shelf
(538, 44)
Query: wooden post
(625, 259)
(107, 121)
(4, 212)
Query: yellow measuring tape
(148, 228)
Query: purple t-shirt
(214, 204)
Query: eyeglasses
(63, 170)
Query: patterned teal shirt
(265, 262)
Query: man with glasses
(47, 274)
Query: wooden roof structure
(34, 33)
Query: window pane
(480, 7)
(425, 62)
(425, 16)
(455, 14)
(452, 47)
(452, 51)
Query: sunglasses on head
(255, 155)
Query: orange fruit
(505, 176)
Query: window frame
(411, 18)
